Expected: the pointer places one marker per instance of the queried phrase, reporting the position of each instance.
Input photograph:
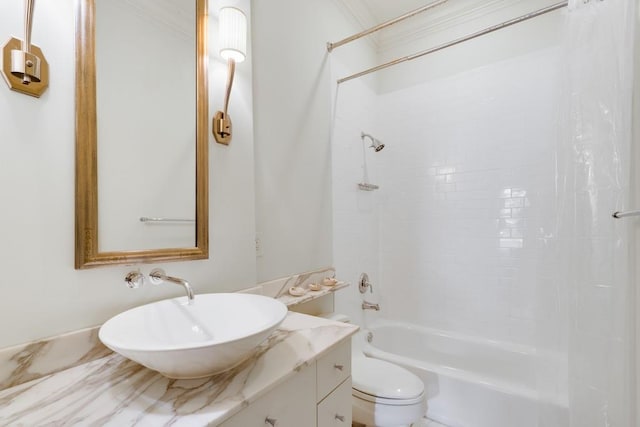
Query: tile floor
(425, 422)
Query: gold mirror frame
(86, 232)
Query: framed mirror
(141, 131)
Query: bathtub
(471, 382)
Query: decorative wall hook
(24, 66)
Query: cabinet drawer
(333, 368)
(291, 404)
(335, 409)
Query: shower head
(376, 144)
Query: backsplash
(33, 360)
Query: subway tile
(514, 202)
(457, 198)
(504, 213)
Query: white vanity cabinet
(333, 387)
(287, 405)
(318, 395)
(335, 409)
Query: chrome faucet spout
(158, 276)
(366, 305)
(182, 283)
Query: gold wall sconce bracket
(24, 67)
(222, 128)
(24, 72)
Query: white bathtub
(472, 382)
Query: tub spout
(366, 305)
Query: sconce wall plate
(16, 62)
(222, 128)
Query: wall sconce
(233, 47)
(24, 66)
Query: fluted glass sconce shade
(232, 25)
(233, 34)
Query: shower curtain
(591, 323)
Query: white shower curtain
(590, 326)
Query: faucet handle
(134, 279)
(156, 276)
(364, 283)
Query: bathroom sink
(180, 340)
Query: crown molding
(446, 16)
(450, 16)
(359, 13)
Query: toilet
(383, 394)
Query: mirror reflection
(146, 97)
(141, 129)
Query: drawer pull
(271, 421)
(338, 367)
(340, 417)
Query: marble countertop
(116, 391)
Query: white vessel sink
(213, 334)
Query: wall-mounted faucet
(158, 276)
(363, 285)
(134, 279)
(366, 305)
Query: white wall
(42, 294)
(292, 95)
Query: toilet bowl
(384, 394)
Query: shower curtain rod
(331, 46)
(457, 41)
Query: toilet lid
(383, 379)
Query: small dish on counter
(315, 287)
(297, 291)
(329, 281)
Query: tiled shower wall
(466, 178)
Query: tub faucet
(158, 276)
(366, 305)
